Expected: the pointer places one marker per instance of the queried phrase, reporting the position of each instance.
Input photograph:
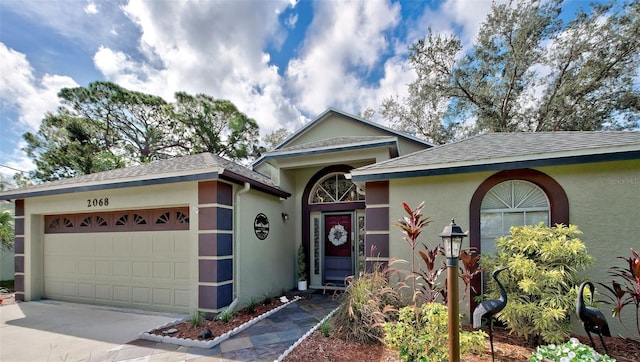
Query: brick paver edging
(187, 342)
(305, 336)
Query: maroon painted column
(215, 245)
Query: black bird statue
(592, 319)
(488, 308)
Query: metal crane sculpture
(592, 319)
(488, 308)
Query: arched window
(511, 203)
(334, 188)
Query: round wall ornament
(337, 235)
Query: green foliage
(273, 139)
(526, 71)
(367, 302)
(572, 350)
(542, 281)
(251, 306)
(625, 288)
(7, 236)
(302, 264)
(421, 334)
(104, 126)
(196, 319)
(325, 328)
(225, 316)
(216, 126)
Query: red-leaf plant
(627, 292)
(411, 227)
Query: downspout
(236, 254)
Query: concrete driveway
(59, 331)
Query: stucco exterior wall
(262, 267)
(156, 196)
(6, 264)
(604, 202)
(327, 129)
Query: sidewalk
(263, 341)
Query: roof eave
(381, 175)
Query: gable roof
(502, 151)
(337, 142)
(202, 166)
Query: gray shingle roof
(501, 147)
(334, 143)
(179, 166)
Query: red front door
(338, 257)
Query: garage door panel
(162, 245)
(104, 268)
(104, 293)
(127, 276)
(141, 269)
(104, 244)
(86, 291)
(86, 268)
(141, 245)
(141, 295)
(162, 297)
(122, 293)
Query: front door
(338, 248)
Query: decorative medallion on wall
(261, 226)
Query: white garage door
(140, 269)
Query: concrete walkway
(263, 341)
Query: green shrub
(421, 334)
(542, 281)
(252, 305)
(325, 328)
(572, 350)
(225, 317)
(367, 302)
(196, 319)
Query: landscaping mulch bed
(217, 327)
(8, 298)
(507, 348)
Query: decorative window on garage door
(115, 221)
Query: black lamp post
(452, 236)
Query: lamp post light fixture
(452, 236)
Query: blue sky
(282, 62)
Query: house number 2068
(98, 202)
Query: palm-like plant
(7, 235)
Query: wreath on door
(337, 235)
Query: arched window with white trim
(511, 203)
(335, 188)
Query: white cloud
(215, 48)
(23, 93)
(291, 21)
(346, 42)
(29, 98)
(91, 8)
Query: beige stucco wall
(262, 267)
(328, 126)
(156, 196)
(604, 201)
(6, 264)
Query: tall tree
(7, 235)
(133, 124)
(273, 139)
(105, 126)
(66, 146)
(217, 126)
(527, 71)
